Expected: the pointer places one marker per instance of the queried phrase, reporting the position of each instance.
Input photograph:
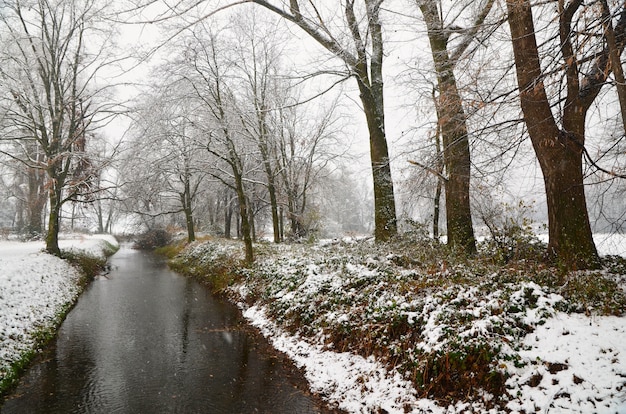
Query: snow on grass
(366, 324)
(35, 287)
(574, 363)
(88, 244)
(351, 382)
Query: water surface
(146, 340)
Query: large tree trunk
(570, 236)
(385, 225)
(453, 126)
(559, 152)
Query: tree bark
(438, 187)
(385, 225)
(186, 201)
(54, 219)
(228, 215)
(243, 214)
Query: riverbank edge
(88, 266)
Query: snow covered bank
(35, 288)
(396, 329)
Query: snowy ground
(34, 288)
(591, 378)
(570, 363)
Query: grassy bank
(454, 327)
(86, 265)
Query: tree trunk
(188, 211)
(559, 152)
(191, 233)
(453, 126)
(294, 215)
(439, 185)
(385, 225)
(73, 217)
(436, 209)
(251, 216)
(269, 172)
(54, 219)
(228, 215)
(243, 214)
(281, 223)
(99, 215)
(570, 237)
(109, 223)
(271, 187)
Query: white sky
(406, 123)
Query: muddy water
(146, 340)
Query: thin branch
(430, 170)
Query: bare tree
(356, 39)
(258, 60)
(205, 68)
(452, 117)
(556, 123)
(305, 146)
(165, 150)
(47, 70)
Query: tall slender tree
(356, 39)
(258, 60)
(452, 118)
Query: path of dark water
(146, 340)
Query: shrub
(88, 265)
(455, 374)
(152, 239)
(512, 235)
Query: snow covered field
(34, 288)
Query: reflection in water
(145, 340)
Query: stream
(144, 339)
